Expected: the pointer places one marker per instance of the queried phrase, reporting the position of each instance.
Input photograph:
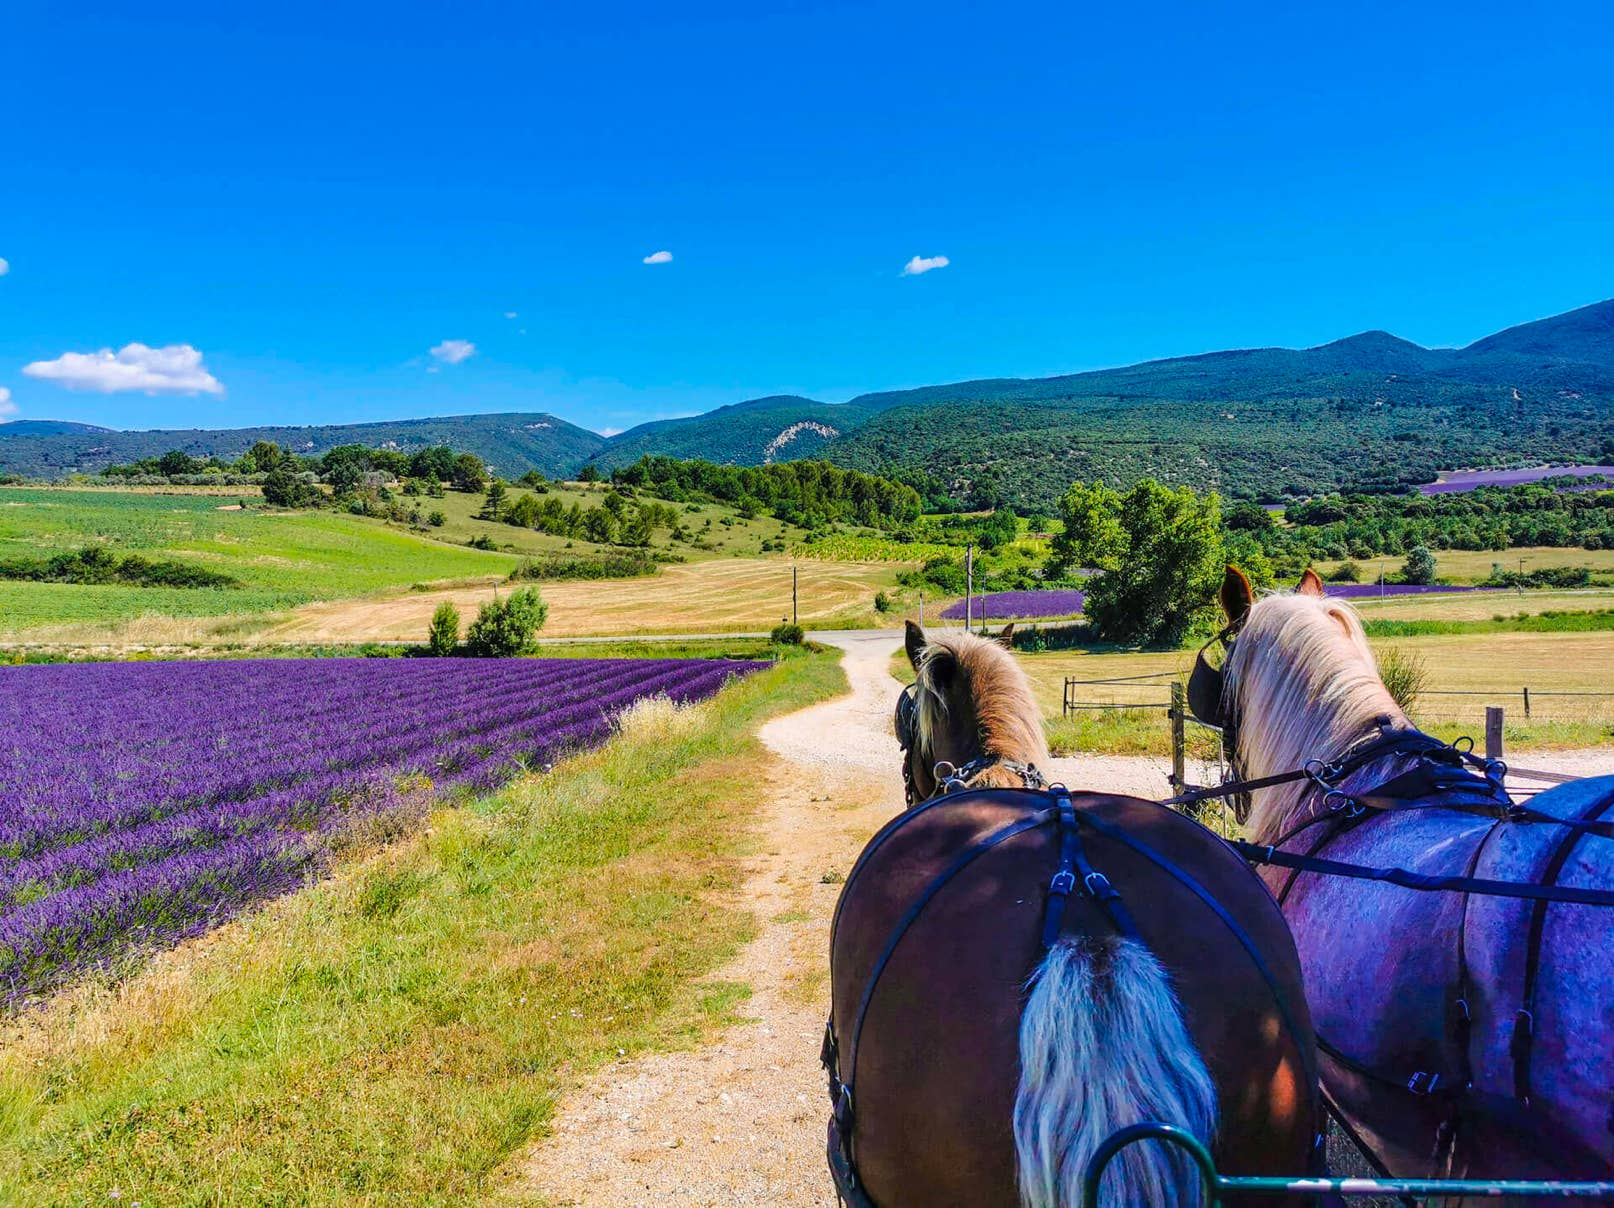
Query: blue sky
(314, 196)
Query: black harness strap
(1260, 853)
(1523, 1042)
(1073, 863)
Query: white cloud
(610, 431)
(171, 369)
(510, 314)
(7, 407)
(452, 352)
(5, 266)
(923, 264)
(659, 258)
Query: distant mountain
(1370, 410)
(45, 427)
(511, 442)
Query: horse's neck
(1006, 733)
(1318, 729)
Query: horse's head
(1299, 682)
(969, 701)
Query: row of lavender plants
(1031, 605)
(143, 803)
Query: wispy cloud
(171, 369)
(5, 266)
(920, 265)
(510, 314)
(7, 407)
(452, 352)
(659, 258)
(610, 431)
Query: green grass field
(397, 1031)
(283, 559)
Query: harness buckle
(1098, 885)
(1423, 1083)
(1064, 881)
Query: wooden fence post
(1493, 732)
(1070, 696)
(1527, 704)
(1179, 712)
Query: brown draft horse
(1463, 1035)
(993, 1022)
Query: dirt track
(741, 1121)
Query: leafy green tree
(1419, 567)
(264, 455)
(1162, 553)
(599, 525)
(507, 628)
(436, 519)
(443, 637)
(589, 473)
(176, 461)
(283, 487)
(470, 475)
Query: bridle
(950, 777)
(1207, 687)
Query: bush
(436, 519)
(1405, 674)
(481, 541)
(506, 628)
(443, 637)
(882, 602)
(1348, 572)
(588, 566)
(787, 633)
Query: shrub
(1348, 572)
(588, 566)
(443, 637)
(481, 541)
(436, 519)
(882, 602)
(506, 628)
(1405, 674)
(787, 633)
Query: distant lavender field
(1467, 480)
(1019, 605)
(144, 802)
(1360, 591)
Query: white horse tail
(1102, 1046)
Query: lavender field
(1018, 605)
(1468, 480)
(142, 803)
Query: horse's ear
(1006, 636)
(914, 640)
(1237, 595)
(1310, 584)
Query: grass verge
(395, 1033)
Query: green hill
(512, 442)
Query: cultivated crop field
(719, 595)
(141, 803)
(280, 559)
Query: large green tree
(1161, 553)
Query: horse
(1462, 1034)
(1018, 971)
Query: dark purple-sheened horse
(1462, 1034)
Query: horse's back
(937, 1063)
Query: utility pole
(795, 614)
(921, 610)
(969, 585)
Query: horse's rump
(935, 1067)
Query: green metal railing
(1217, 1185)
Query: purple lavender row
(467, 724)
(56, 807)
(1019, 605)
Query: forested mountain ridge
(1369, 410)
(511, 442)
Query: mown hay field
(715, 596)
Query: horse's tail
(1102, 1046)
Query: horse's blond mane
(1303, 683)
(1005, 708)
